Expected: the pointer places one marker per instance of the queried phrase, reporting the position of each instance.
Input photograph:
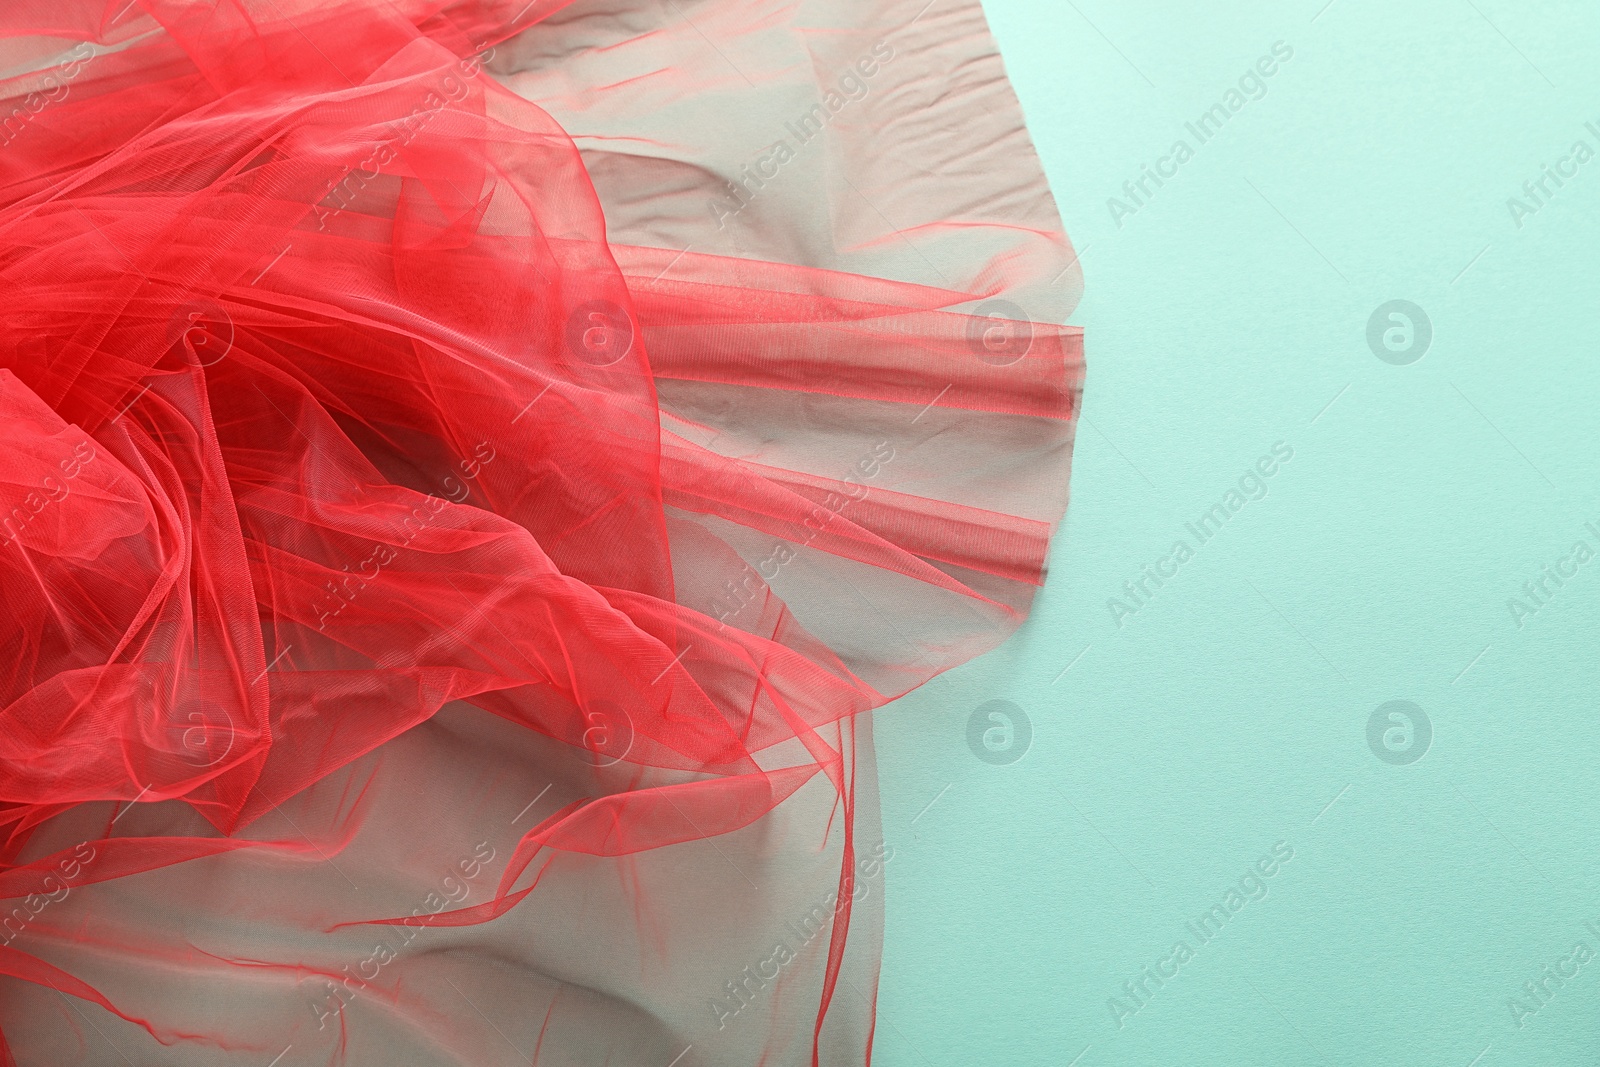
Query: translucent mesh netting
(467, 468)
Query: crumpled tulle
(462, 483)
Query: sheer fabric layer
(460, 492)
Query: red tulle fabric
(466, 468)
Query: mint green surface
(1230, 712)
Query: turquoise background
(1230, 712)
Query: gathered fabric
(467, 470)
